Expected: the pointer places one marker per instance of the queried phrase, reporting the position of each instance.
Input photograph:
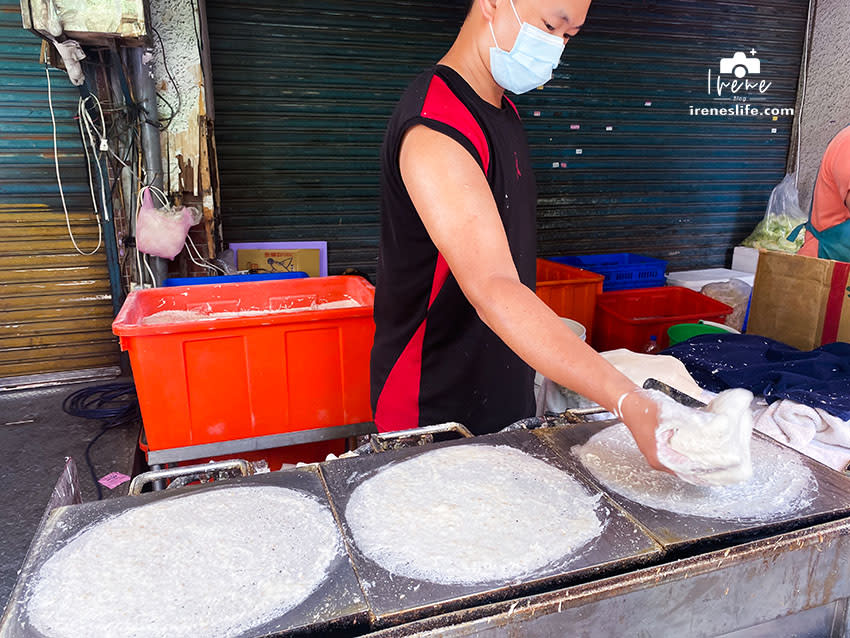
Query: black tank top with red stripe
(434, 360)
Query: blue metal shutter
(303, 91)
(55, 305)
(662, 182)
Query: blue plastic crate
(622, 271)
(229, 279)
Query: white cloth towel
(637, 366)
(811, 431)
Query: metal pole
(145, 94)
(110, 242)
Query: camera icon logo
(740, 65)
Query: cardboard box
(285, 255)
(304, 259)
(801, 301)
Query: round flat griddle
(679, 533)
(623, 545)
(337, 603)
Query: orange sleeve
(837, 159)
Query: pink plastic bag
(162, 231)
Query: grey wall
(826, 105)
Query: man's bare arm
(454, 201)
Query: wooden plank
(65, 259)
(59, 351)
(58, 274)
(54, 287)
(24, 316)
(11, 329)
(58, 302)
(58, 365)
(208, 201)
(47, 340)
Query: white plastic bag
(162, 231)
(783, 216)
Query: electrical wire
(171, 117)
(203, 262)
(174, 111)
(95, 136)
(195, 257)
(114, 404)
(84, 132)
(101, 134)
(196, 19)
(139, 268)
(88, 164)
(59, 178)
(155, 190)
(102, 145)
(139, 258)
(97, 148)
(150, 272)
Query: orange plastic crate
(629, 318)
(570, 292)
(212, 380)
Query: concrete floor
(35, 437)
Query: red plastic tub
(260, 363)
(628, 318)
(570, 292)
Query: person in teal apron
(828, 235)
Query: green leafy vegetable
(771, 234)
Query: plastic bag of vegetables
(783, 216)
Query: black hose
(114, 404)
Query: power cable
(203, 263)
(59, 178)
(114, 404)
(174, 111)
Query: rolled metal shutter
(303, 92)
(55, 305)
(661, 181)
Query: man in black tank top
(459, 329)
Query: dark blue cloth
(818, 378)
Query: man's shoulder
(412, 99)
(434, 101)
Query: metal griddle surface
(679, 533)
(394, 598)
(336, 604)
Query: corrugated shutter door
(661, 182)
(55, 306)
(303, 92)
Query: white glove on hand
(709, 446)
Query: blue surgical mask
(530, 62)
